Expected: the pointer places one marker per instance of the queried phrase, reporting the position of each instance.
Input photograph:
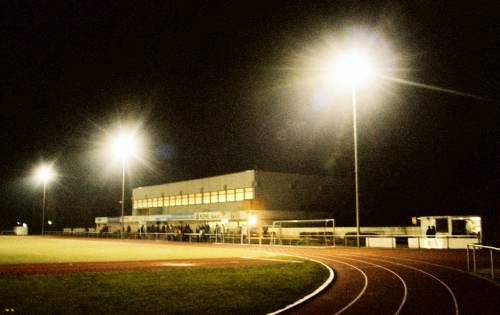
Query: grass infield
(23, 250)
(235, 289)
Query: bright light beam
(437, 88)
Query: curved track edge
(312, 294)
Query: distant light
(224, 221)
(45, 173)
(252, 220)
(354, 66)
(49, 222)
(18, 223)
(475, 218)
(25, 225)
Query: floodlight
(354, 67)
(124, 145)
(45, 173)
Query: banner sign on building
(210, 216)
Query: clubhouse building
(249, 198)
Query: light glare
(252, 220)
(124, 146)
(45, 173)
(354, 66)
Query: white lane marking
(313, 294)
(177, 264)
(424, 272)
(442, 266)
(271, 259)
(354, 267)
(405, 288)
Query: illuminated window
(135, 204)
(222, 196)
(166, 201)
(240, 194)
(150, 203)
(172, 201)
(206, 197)
(184, 200)
(139, 203)
(213, 197)
(160, 202)
(191, 199)
(178, 200)
(249, 193)
(230, 195)
(155, 202)
(198, 198)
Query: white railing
(379, 240)
(476, 247)
(304, 239)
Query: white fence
(480, 255)
(303, 239)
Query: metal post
(474, 258)
(491, 265)
(123, 197)
(43, 207)
(468, 268)
(354, 123)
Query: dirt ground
(18, 269)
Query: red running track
(398, 281)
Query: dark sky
(207, 80)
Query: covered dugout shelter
(253, 197)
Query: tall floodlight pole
(43, 207)
(124, 146)
(355, 68)
(123, 196)
(355, 136)
(44, 174)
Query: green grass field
(242, 289)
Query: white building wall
(274, 196)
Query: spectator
(429, 231)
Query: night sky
(214, 86)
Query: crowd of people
(173, 232)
